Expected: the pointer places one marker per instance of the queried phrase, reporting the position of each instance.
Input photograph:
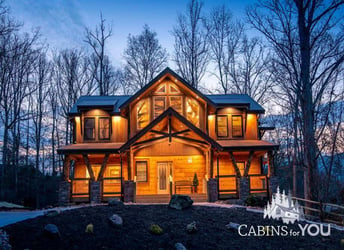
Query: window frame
(147, 102)
(165, 104)
(181, 103)
(146, 165)
(94, 122)
(109, 119)
(242, 125)
(198, 110)
(217, 126)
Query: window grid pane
(89, 129)
(159, 105)
(141, 171)
(236, 126)
(142, 114)
(176, 103)
(222, 130)
(104, 128)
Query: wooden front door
(163, 178)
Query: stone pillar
(273, 184)
(95, 192)
(129, 191)
(244, 188)
(64, 193)
(213, 192)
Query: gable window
(104, 128)
(159, 105)
(174, 89)
(141, 171)
(241, 166)
(176, 103)
(237, 130)
(222, 126)
(161, 89)
(89, 129)
(192, 111)
(142, 114)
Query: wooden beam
(235, 164)
(248, 164)
(89, 168)
(181, 132)
(149, 140)
(169, 129)
(159, 132)
(190, 139)
(103, 167)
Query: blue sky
(62, 22)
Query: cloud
(60, 21)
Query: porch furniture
(183, 184)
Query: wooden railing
(227, 185)
(322, 211)
(258, 183)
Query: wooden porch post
(66, 168)
(271, 168)
(248, 164)
(211, 163)
(89, 168)
(103, 167)
(235, 164)
(129, 165)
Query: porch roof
(80, 148)
(243, 145)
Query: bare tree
(308, 45)
(144, 57)
(97, 39)
(190, 44)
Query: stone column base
(129, 191)
(95, 192)
(64, 193)
(244, 188)
(213, 194)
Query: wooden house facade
(168, 138)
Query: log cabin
(168, 138)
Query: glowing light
(211, 117)
(77, 119)
(116, 118)
(190, 160)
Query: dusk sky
(62, 22)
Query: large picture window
(237, 130)
(142, 114)
(222, 126)
(104, 128)
(89, 129)
(159, 105)
(192, 111)
(141, 171)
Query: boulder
(114, 202)
(233, 226)
(116, 220)
(51, 213)
(89, 229)
(180, 202)
(179, 246)
(4, 241)
(192, 227)
(51, 230)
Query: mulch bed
(134, 233)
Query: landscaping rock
(192, 227)
(116, 220)
(180, 202)
(233, 226)
(51, 213)
(51, 230)
(114, 202)
(179, 246)
(156, 229)
(89, 229)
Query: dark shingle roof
(111, 102)
(236, 99)
(114, 102)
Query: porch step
(165, 199)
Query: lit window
(104, 128)
(192, 111)
(142, 114)
(241, 166)
(237, 126)
(161, 89)
(176, 103)
(141, 171)
(222, 127)
(89, 129)
(173, 89)
(159, 105)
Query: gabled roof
(111, 103)
(106, 147)
(236, 100)
(170, 112)
(162, 74)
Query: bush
(255, 201)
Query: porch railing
(112, 186)
(227, 186)
(258, 184)
(80, 187)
